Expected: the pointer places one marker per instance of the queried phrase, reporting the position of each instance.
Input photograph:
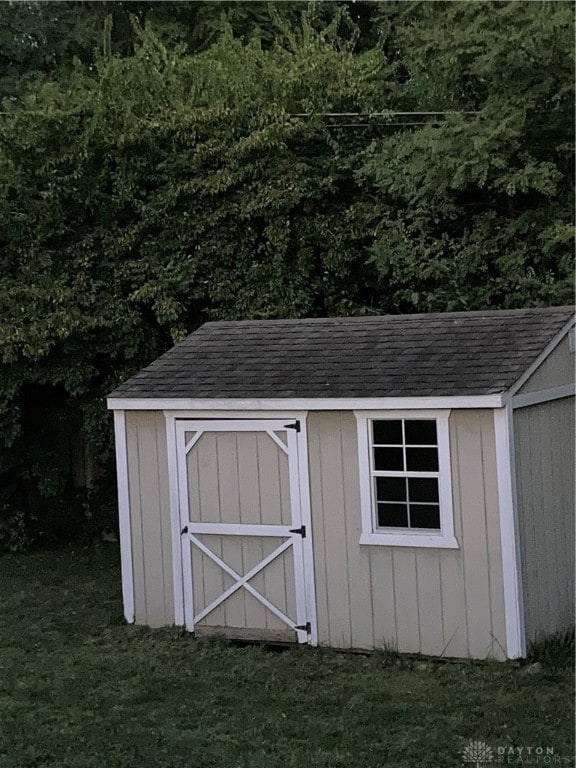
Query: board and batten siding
(437, 602)
(544, 456)
(556, 370)
(430, 601)
(150, 517)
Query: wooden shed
(394, 481)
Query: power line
(291, 114)
(382, 114)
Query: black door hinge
(295, 426)
(304, 627)
(184, 530)
(301, 531)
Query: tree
(167, 190)
(43, 41)
(477, 203)
(277, 169)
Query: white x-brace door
(244, 555)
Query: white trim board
(124, 516)
(550, 347)
(227, 414)
(306, 517)
(177, 577)
(304, 404)
(543, 396)
(509, 535)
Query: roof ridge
(414, 316)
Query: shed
(394, 481)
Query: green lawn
(79, 688)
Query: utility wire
(383, 114)
(291, 114)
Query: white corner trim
(175, 520)
(370, 535)
(543, 396)
(548, 349)
(303, 404)
(124, 516)
(509, 535)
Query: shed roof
(452, 353)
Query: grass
(80, 689)
(555, 651)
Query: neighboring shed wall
(556, 370)
(150, 518)
(433, 601)
(544, 448)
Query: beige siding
(556, 370)
(544, 447)
(418, 600)
(150, 518)
(421, 600)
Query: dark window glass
(388, 459)
(393, 515)
(387, 432)
(424, 516)
(420, 432)
(422, 459)
(423, 489)
(391, 489)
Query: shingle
(468, 353)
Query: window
(406, 495)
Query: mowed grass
(79, 689)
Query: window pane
(423, 489)
(393, 515)
(388, 458)
(420, 432)
(422, 459)
(425, 516)
(391, 489)
(387, 432)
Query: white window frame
(405, 537)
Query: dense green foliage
(479, 207)
(184, 164)
(80, 689)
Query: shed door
(243, 553)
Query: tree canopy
(234, 160)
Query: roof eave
(305, 404)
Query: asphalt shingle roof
(452, 353)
